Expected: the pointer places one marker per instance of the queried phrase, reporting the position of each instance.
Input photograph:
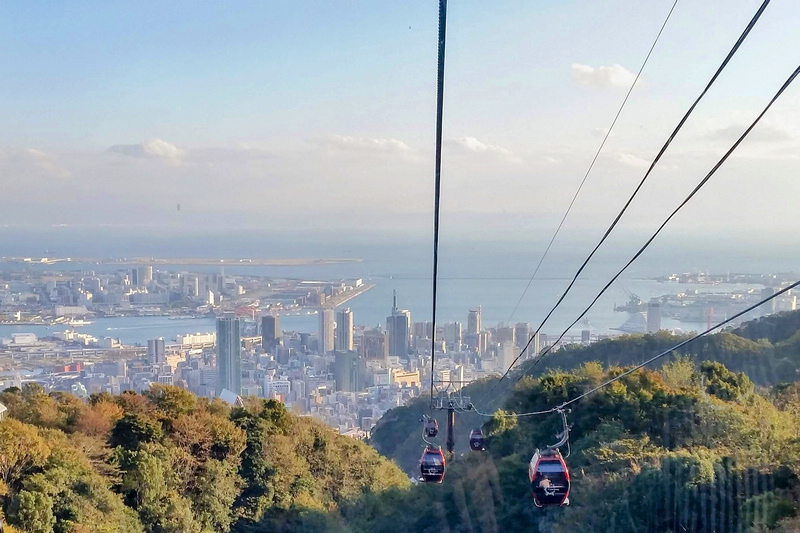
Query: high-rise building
(146, 275)
(474, 321)
(422, 333)
(229, 354)
(453, 336)
(522, 333)
(156, 352)
(653, 316)
(345, 371)
(506, 353)
(375, 344)
(141, 275)
(506, 334)
(344, 330)
(270, 332)
(326, 330)
(398, 324)
(423, 330)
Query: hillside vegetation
(681, 449)
(766, 349)
(692, 445)
(167, 461)
(707, 442)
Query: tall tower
(398, 324)
(344, 330)
(229, 354)
(270, 332)
(474, 321)
(156, 352)
(326, 330)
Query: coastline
(202, 261)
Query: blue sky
(262, 112)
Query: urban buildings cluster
(346, 374)
(51, 297)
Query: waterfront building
(344, 330)
(653, 316)
(142, 276)
(196, 338)
(229, 354)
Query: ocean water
(492, 273)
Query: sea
(492, 272)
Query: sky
(319, 117)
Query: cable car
(476, 443)
(549, 477)
(431, 465)
(431, 428)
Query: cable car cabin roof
(432, 465)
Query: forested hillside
(692, 445)
(167, 461)
(679, 449)
(767, 350)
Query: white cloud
(631, 160)
(613, 76)
(346, 143)
(16, 165)
(763, 133)
(151, 149)
(471, 144)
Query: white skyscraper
(326, 330)
(344, 330)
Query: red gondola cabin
(549, 477)
(476, 440)
(431, 465)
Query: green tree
(725, 384)
(173, 401)
(134, 429)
